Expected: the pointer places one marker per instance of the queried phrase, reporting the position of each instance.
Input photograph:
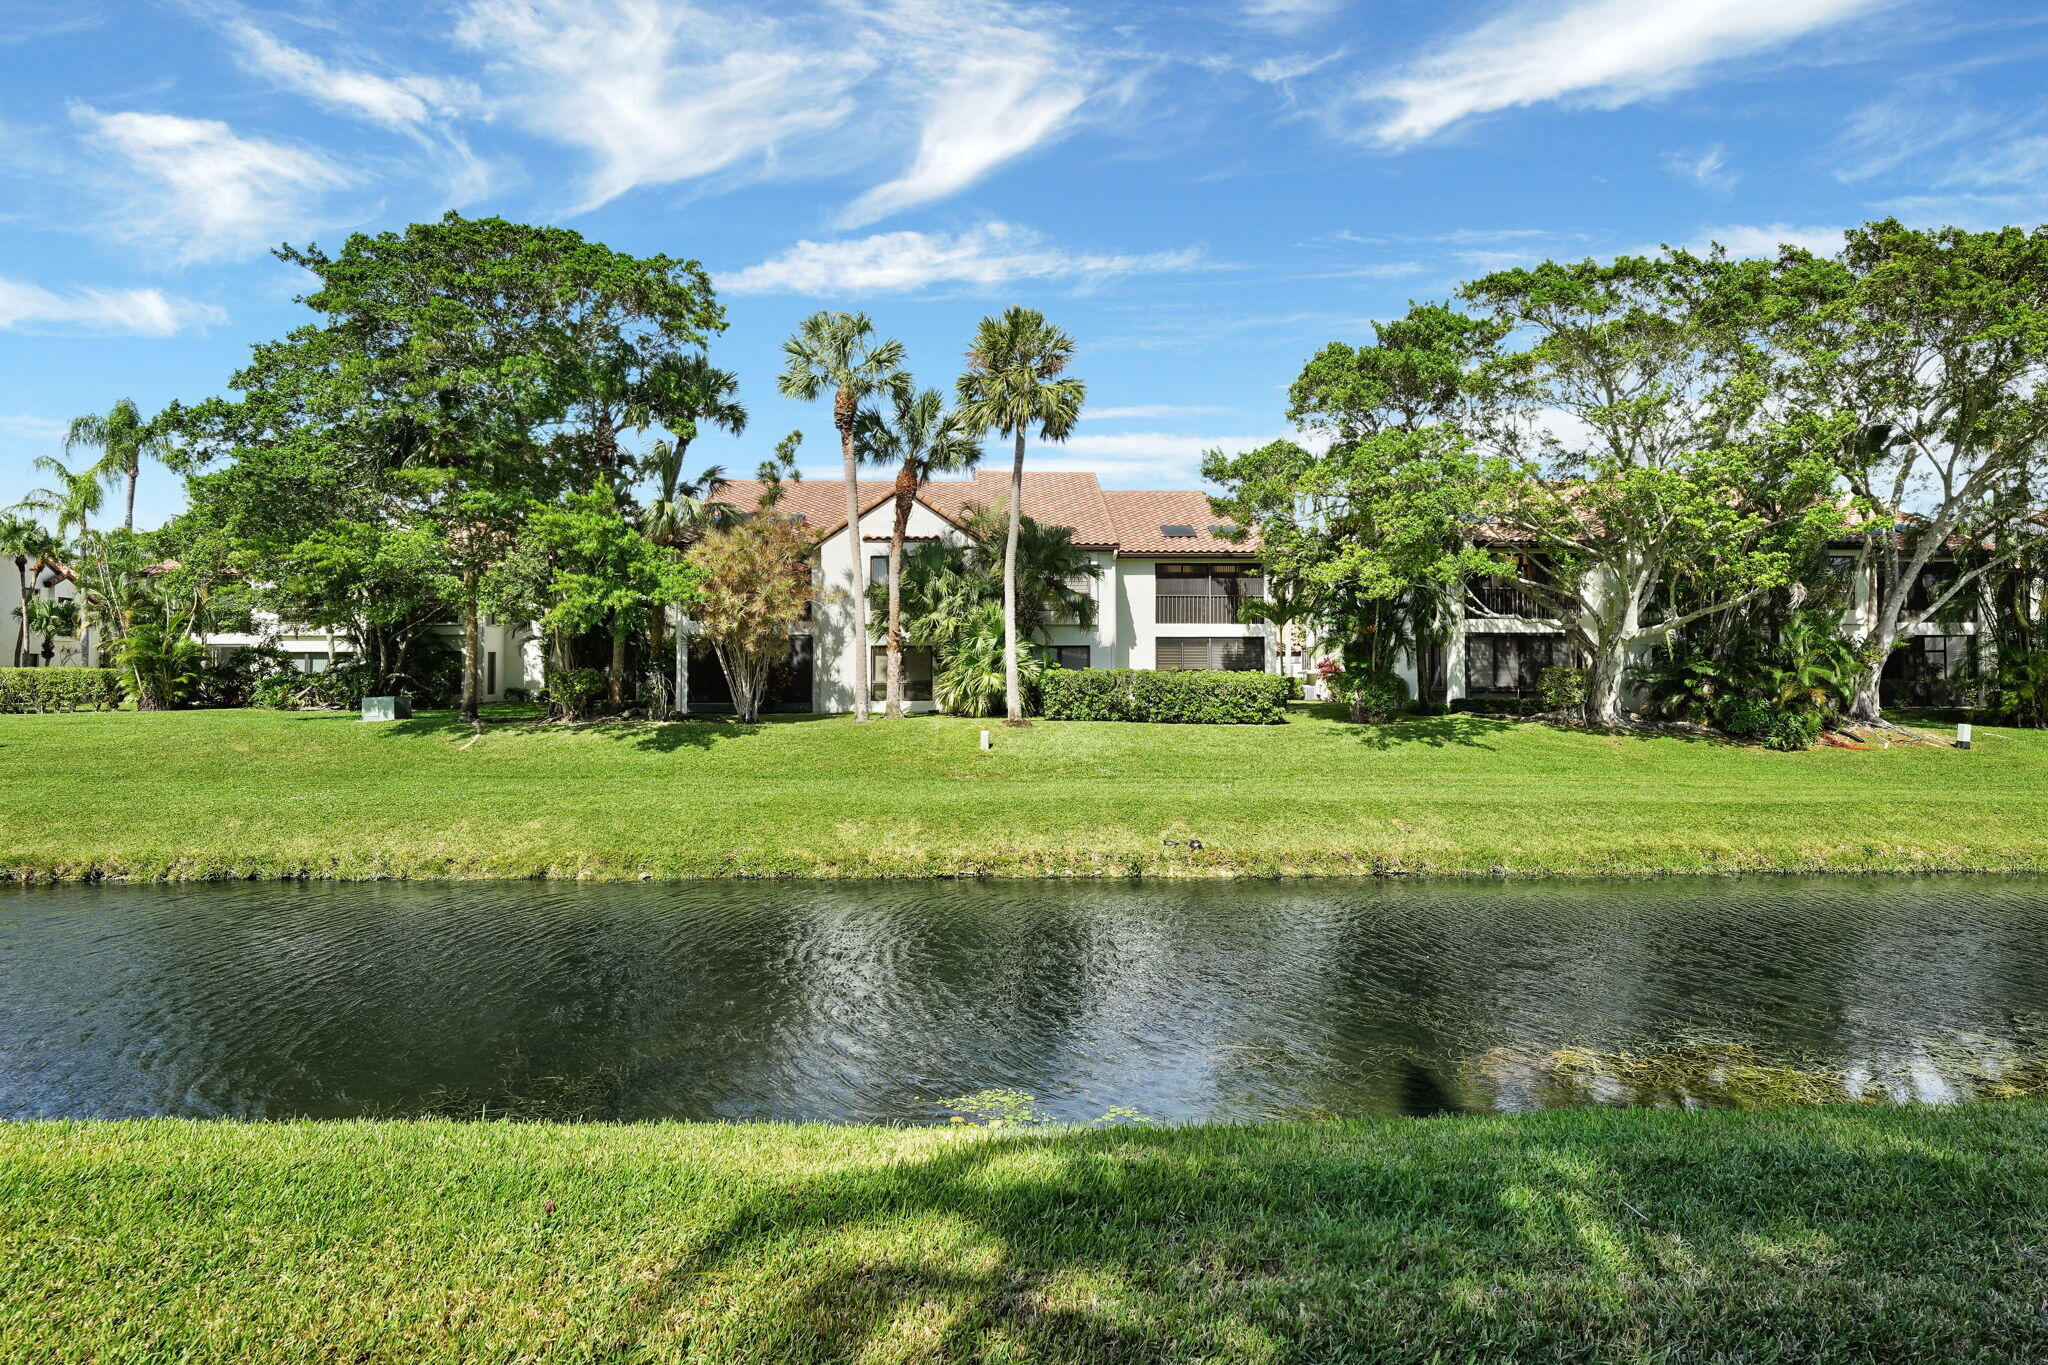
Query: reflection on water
(876, 1001)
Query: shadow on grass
(667, 736)
(1715, 1236)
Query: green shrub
(1192, 696)
(1562, 689)
(1772, 725)
(576, 690)
(59, 689)
(230, 678)
(1086, 694)
(1373, 698)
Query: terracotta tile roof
(1056, 498)
(1140, 517)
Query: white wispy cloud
(658, 92)
(1707, 168)
(201, 188)
(1748, 239)
(1122, 458)
(422, 108)
(989, 85)
(1911, 123)
(1149, 412)
(1599, 53)
(136, 312)
(900, 262)
(22, 426)
(401, 102)
(1288, 16)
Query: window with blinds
(1509, 665)
(1232, 652)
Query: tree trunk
(469, 647)
(906, 489)
(616, 679)
(1866, 706)
(1603, 684)
(657, 663)
(1013, 687)
(843, 410)
(134, 472)
(21, 636)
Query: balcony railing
(1206, 609)
(1505, 599)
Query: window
(1925, 670)
(1508, 665)
(878, 569)
(1065, 656)
(491, 673)
(1232, 652)
(1497, 598)
(918, 663)
(1206, 594)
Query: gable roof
(1126, 522)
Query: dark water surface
(872, 1001)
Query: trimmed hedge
(1499, 706)
(59, 689)
(1195, 696)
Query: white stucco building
(1167, 592)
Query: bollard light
(985, 743)
(1963, 736)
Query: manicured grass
(257, 793)
(1852, 1233)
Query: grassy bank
(255, 793)
(1847, 1233)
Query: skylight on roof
(1225, 530)
(1177, 532)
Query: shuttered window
(1232, 652)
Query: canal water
(855, 1002)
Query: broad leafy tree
(459, 372)
(1930, 348)
(840, 354)
(1016, 382)
(1627, 423)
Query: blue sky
(1202, 195)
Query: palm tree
(124, 438)
(838, 351)
(1013, 384)
(24, 539)
(923, 439)
(75, 495)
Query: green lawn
(238, 793)
(1851, 1233)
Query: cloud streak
(132, 312)
(1598, 53)
(203, 189)
(992, 254)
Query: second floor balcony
(1206, 594)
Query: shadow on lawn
(1716, 1236)
(665, 737)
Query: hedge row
(1182, 697)
(59, 689)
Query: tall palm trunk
(21, 637)
(1013, 687)
(843, 411)
(134, 473)
(906, 489)
(469, 647)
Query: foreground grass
(256, 793)
(1847, 1233)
